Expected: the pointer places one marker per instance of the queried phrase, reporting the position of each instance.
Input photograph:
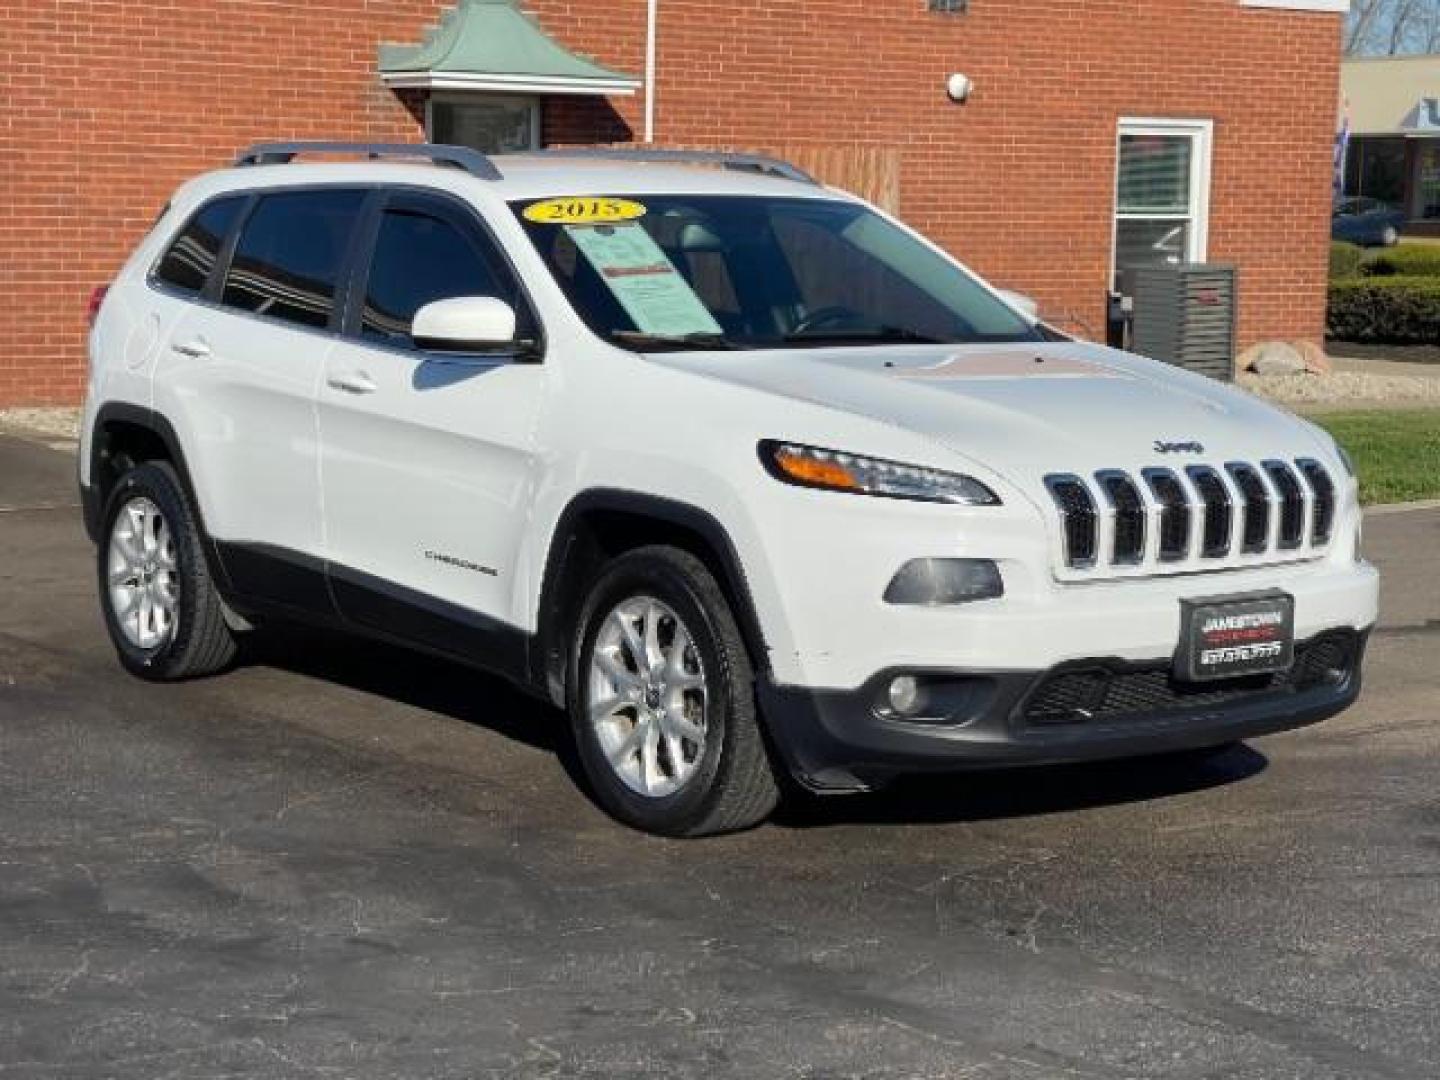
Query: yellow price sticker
(583, 211)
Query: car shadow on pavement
(409, 678)
(1027, 792)
(472, 697)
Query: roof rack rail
(461, 157)
(742, 162)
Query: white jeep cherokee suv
(747, 476)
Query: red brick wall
(109, 104)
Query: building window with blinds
(1162, 194)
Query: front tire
(162, 610)
(662, 700)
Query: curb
(63, 443)
(1383, 509)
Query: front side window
(757, 273)
(1162, 193)
(187, 264)
(289, 256)
(418, 259)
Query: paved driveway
(346, 861)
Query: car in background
(1367, 222)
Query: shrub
(1345, 260)
(1407, 260)
(1400, 310)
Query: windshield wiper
(699, 340)
(870, 334)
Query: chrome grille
(1174, 513)
(1166, 518)
(1215, 539)
(1128, 505)
(1255, 536)
(1077, 519)
(1292, 504)
(1323, 490)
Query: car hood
(1040, 407)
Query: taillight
(97, 297)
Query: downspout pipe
(652, 18)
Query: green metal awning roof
(493, 45)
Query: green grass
(1396, 452)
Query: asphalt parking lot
(342, 860)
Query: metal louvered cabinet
(1185, 315)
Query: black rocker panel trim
(278, 578)
(384, 609)
(297, 586)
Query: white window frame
(1202, 136)
(474, 98)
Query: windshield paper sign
(643, 279)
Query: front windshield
(741, 272)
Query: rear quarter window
(190, 259)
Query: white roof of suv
(533, 177)
(542, 174)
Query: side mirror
(1026, 305)
(465, 324)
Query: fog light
(904, 695)
(933, 698)
(931, 582)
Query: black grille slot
(1215, 539)
(1129, 508)
(1077, 518)
(1257, 507)
(1292, 504)
(1174, 513)
(1323, 489)
(1101, 692)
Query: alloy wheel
(144, 575)
(647, 697)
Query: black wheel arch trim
(94, 497)
(547, 659)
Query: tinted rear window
(288, 259)
(187, 265)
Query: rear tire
(661, 695)
(161, 608)
(1390, 237)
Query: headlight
(832, 470)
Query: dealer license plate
(1223, 637)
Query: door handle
(353, 382)
(196, 349)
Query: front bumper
(1086, 710)
(90, 511)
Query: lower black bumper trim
(834, 741)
